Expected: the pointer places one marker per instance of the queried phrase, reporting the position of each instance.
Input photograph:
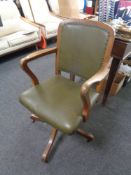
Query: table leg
(113, 70)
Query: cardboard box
(116, 86)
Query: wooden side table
(120, 51)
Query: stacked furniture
(16, 32)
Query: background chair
(38, 12)
(16, 32)
(83, 49)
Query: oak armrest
(30, 22)
(99, 76)
(24, 62)
(40, 25)
(35, 25)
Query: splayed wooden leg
(34, 118)
(50, 144)
(72, 76)
(88, 136)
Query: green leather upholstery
(83, 50)
(57, 101)
(79, 50)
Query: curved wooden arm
(40, 25)
(29, 21)
(24, 62)
(99, 76)
(33, 23)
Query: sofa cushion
(22, 37)
(15, 33)
(8, 10)
(51, 28)
(9, 26)
(16, 25)
(3, 44)
(49, 18)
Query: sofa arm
(32, 23)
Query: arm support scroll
(99, 76)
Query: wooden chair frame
(99, 76)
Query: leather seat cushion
(57, 101)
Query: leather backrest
(81, 48)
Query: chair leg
(49, 145)
(72, 76)
(88, 136)
(34, 118)
(36, 47)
